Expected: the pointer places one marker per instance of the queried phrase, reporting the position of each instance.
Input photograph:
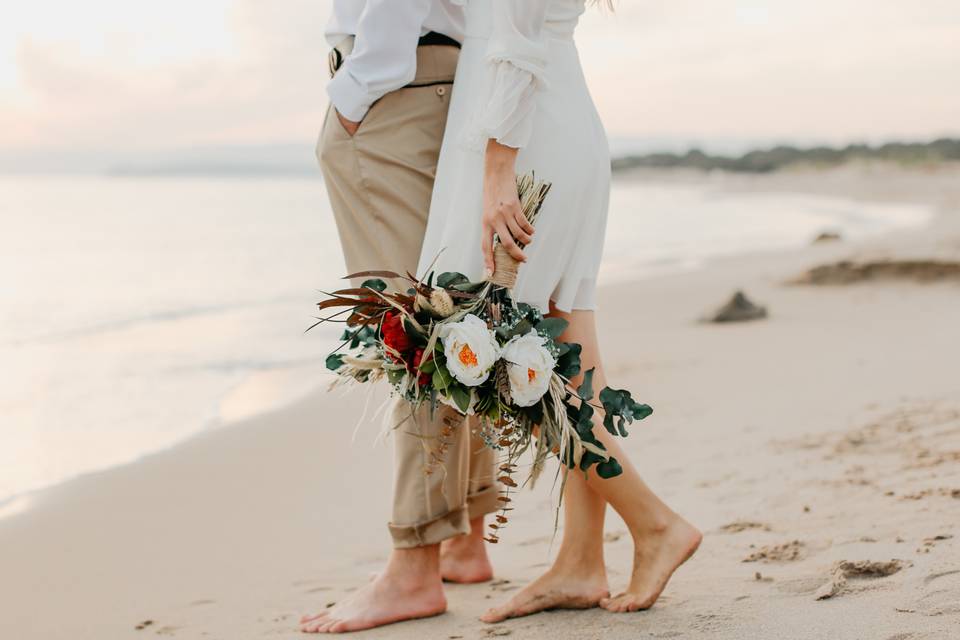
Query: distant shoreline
(297, 161)
(781, 157)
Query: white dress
(519, 81)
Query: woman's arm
(517, 54)
(501, 206)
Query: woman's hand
(502, 214)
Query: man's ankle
(415, 565)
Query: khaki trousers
(379, 182)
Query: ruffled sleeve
(516, 59)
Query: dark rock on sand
(738, 309)
(848, 272)
(827, 236)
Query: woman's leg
(662, 539)
(578, 577)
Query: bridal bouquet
(447, 340)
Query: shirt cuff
(349, 96)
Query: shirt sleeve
(384, 56)
(517, 59)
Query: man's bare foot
(409, 587)
(380, 602)
(556, 589)
(656, 556)
(464, 559)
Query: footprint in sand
(845, 570)
(786, 552)
(940, 597)
(931, 542)
(743, 525)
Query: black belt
(430, 39)
(437, 39)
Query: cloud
(117, 75)
(267, 85)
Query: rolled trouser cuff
(449, 525)
(483, 502)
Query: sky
(109, 75)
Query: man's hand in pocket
(348, 125)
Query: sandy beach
(817, 449)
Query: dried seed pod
(441, 303)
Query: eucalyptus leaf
(621, 409)
(450, 278)
(334, 361)
(552, 327)
(585, 390)
(376, 284)
(609, 468)
(568, 364)
(521, 329)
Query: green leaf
(583, 422)
(376, 284)
(467, 287)
(334, 361)
(621, 409)
(534, 412)
(367, 335)
(415, 336)
(461, 397)
(552, 327)
(442, 378)
(429, 366)
(521, 329)
(608, 424)
(585, 390)
(609, 468)
(568, 364)
(448, 279)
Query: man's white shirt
(384, 56)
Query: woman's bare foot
(556, 589)
(464, 559)
(656, 556)
(409, 587)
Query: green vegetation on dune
(767, 160)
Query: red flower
(424, 378)
(393, 334)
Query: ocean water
(136, 312)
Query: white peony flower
(471, 349)
(529, 367)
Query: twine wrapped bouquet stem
(531, 194)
